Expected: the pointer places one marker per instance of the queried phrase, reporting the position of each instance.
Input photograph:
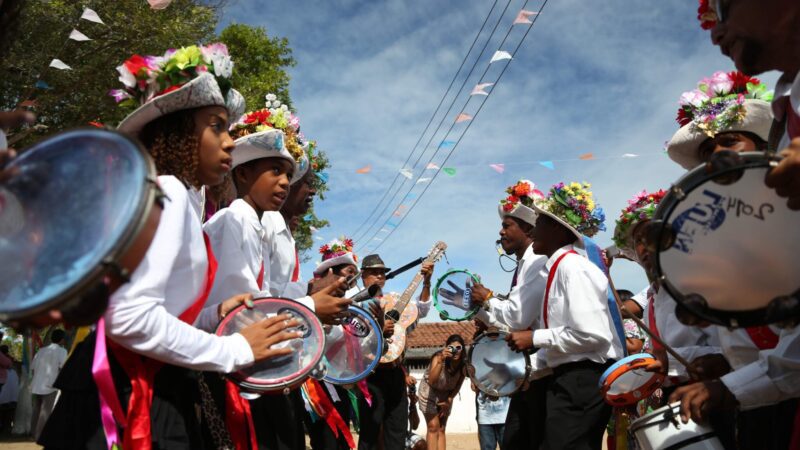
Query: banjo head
(284, 372)
(725, 247)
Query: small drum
(452, 296)
(626, 382)
(285, 372)
(76, 218)
(663, 429)
(352, 349)
(726, 247)
(495, 368)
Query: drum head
(452, 295)
(494, 367)
(352, 349)
(734, 244)
(285, 371)
(76, 201)
(626, 382)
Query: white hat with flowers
(573, 206)
(519, 202)
(727, 101)
(189, 77)
(335, 253)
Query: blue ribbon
(593, 252)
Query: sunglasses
(455, 348)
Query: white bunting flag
(500, 55)
(630, 155)
(479, 89)
(406, 173)
(76, 35)
(58, 64)
(91, 16)
(423, 180)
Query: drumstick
(644, 327)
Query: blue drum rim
(618, 364)
(471, 313)
(125, 239)
(373, 364)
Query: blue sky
(599, 77)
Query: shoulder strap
(550, 277)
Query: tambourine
(725, 244)
(452, 296)
(77, 216)
(287, 372)
(353, 348)
(626, 382)
(494, 368)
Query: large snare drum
(76, 219)
(285, 372)
(726, 244)
(663, 429)
(452, 295)
(494, 367)
(626, 382)
(352, 349)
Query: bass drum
(352, 349)
(287, 372)
(76, 218)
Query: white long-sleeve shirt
(142, 315)
(237, 237)
(579, 326)
(524, 305)
(689, 342)
(45, 366)
(280, 251)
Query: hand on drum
(709, 367)
(520, 340)
(785, 178)
(234, 302)
(698, 399)
(480, 293)
(268, 332)
(326, 305)
(662, 362)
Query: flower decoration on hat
(147, 77)
(275, 115)
(524, 192)
(706, 15)
(718, 102)
(574, 204)
(336, 248)
(640, 208)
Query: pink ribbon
(362, 385)
(110, 408)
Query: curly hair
(173, 144)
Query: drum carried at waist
(77, 216)
(663, 429)
(287, 372)
(494, 368)
(353, 348)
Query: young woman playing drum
(441, 382)
(152, 343)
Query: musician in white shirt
(576, 337)
(524, 424)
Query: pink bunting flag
(159, 4)
(586, 156)
(432, 166)
(500, 55)
(28, 103)
(523, 17)
(479, 89)
(499, 168)
(463, 118)
(365, 169)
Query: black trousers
(767, 428)
(526, 417)
(278, 419)
(577, 415)
(389, 409)
(320, 433)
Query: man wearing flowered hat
(756, 368)
(576, 337)
(521, 310)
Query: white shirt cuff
(307, 301)
(242, 353)
(752, 386)
(543, 338)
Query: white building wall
(462, 417)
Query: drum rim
(685, 185)
(139, 219)
(606, 380)
(471, 368)
(471, 313)
(287, 381)
(375, 362)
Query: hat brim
(301, 167)
(264, 144)
(383, 268)
(347, 258)
(579, 241)
(684, 147)
(200, 92)
(520, 212)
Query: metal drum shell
(663, 429)
(495, 336)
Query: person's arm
(424, 301)
(6, 362)
(523, 305)
(437, 365)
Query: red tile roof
(427, 335)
